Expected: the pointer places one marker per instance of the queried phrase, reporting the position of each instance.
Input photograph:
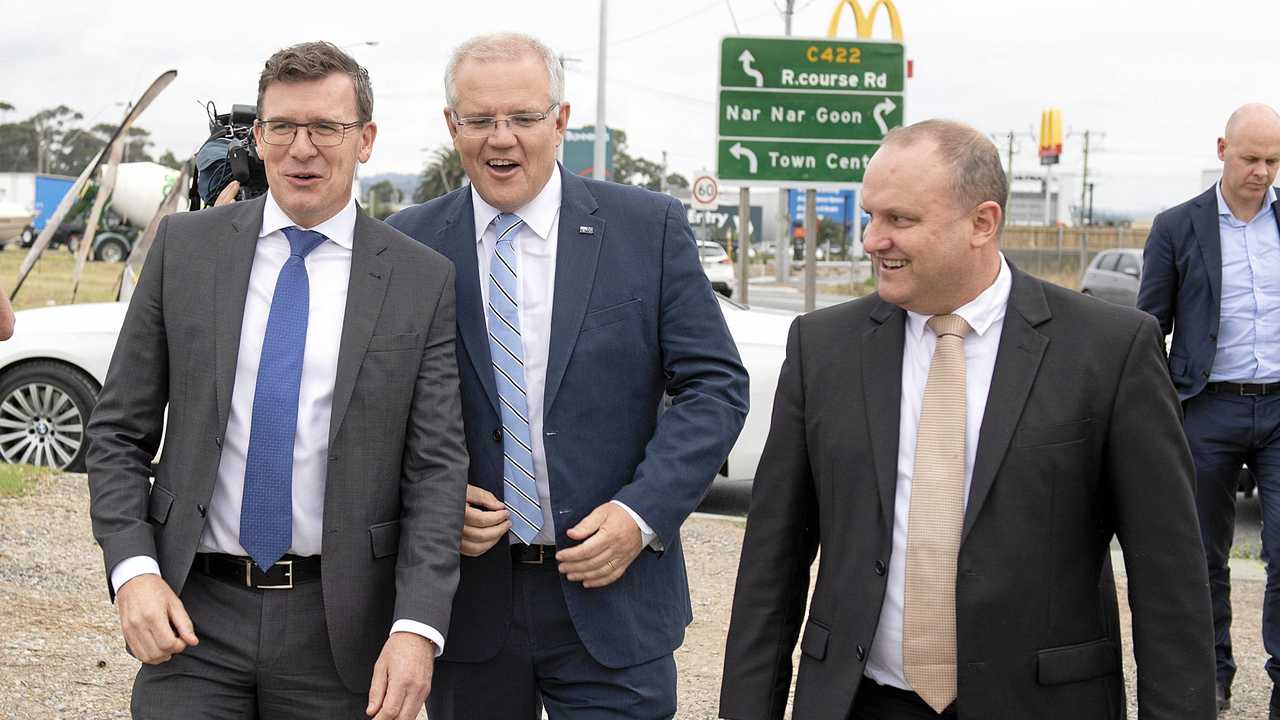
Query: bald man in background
(1211, 276)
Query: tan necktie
(937, 517)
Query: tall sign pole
(782, 254)
(599, 162)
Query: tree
(383, 198)
(168, 160)
(55, 130)
(631, 170)
(443, 173)
(18, 147)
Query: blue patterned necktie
(520, 492)
(266, 515)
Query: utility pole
(564, 68)
(782, 244)
(1084, 183)
(599, 162)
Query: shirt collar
(538, 215)
(1224, 209)
(340, 228)
(981, 312)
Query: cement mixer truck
(140, 187)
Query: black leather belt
(289, 571)
(1244, 389)
(532, 554)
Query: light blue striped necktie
(520, 492)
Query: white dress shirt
(329, 272)
(535, 246)
(985, 314)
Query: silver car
(1114, 275)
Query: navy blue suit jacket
(633, 318)
(1182, 286)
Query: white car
(718, 267)
(54, 366)
(50, 374)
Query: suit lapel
(236, 247)
(456, 239)
(1018, 359)
(1204, 222)
(370, 275)
(576, 256)
(882, 387)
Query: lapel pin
(586, 230)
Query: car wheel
(43, 410)
(28, 237)
(111, 250)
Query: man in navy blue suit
(581, 306)
(1211, 276)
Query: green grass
(18, 480)
(50, 279)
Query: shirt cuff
(417, 628)
(648, 538)
(132, 567)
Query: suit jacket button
(1205, 374)
(497, 435)
(880, 567)
(1213, 336)
(862, 653)
(202, 510)
(218, 441)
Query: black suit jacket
(1081, 441)
(1182, 286)
(396, 481)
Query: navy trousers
(1226, 431)
(545, 665)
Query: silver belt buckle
(288, 571)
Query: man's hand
(228, 194)
(401, 677)
(612, 542)
(156, 626)
(485, 522)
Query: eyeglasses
(484, 126)
(321, 134)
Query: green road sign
(805, 112)
(795, 164)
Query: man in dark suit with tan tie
(962, 446)
(297, 554)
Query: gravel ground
(61, 655)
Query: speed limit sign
(705, 193)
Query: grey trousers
(262, 654)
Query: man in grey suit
(297, 554)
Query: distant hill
(405, 182)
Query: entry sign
(805, 112)
(705, 193)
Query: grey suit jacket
(396, 482)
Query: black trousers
(885, 702)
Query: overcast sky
(1157, 79)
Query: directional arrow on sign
(737, 151)
(747, 58)
(880, 111)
